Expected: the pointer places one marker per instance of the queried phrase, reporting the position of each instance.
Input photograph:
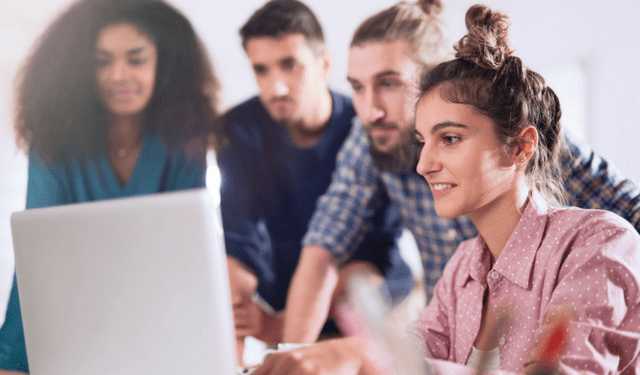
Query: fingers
(290, 363)
(327, 357)
(247, 317)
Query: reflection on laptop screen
(126, 286)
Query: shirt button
(495, 274)
(502, 341)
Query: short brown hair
(280, 17)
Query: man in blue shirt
(280, 156)
(387, 52)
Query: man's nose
(280, 87)
(373, 110)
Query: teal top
(74, 181)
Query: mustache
(276, 99)
(382, 125)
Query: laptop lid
(126, 286)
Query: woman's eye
(450, 139)
(102, 62)
(136, 61)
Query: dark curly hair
(58, 109)
(486, 75)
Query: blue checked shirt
(342, 214)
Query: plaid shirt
(342, 213)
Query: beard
(401, 159)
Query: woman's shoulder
(588, 221)
(581, 236)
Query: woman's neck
(497, 221)
(125, 132)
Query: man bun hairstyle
(280, 17)
(486, 75)
(430, 7)
(416, 23)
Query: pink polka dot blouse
(585, 260)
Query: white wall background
(588, 50)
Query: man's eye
(288, 64)
(356, 88)
(259, 71)
(388, 84)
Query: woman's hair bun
(486, 43)
(430, 7)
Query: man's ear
(525, 145)
(325, 55)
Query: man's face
(382, 75)
(290, 75)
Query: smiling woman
(493, 155)
(126, 61)
(117, 99)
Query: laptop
(126, 286)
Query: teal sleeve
(43, 189)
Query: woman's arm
(599, 283)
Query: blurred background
(586, 50)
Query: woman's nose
(427, 162)
(119, 71)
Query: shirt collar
(516, 260)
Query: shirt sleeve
(599, 282)
(44, 189)
(434, 326)
(343, 214)
(592, 182)
(245, 231)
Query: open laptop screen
(125, 286)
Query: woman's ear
(525, 144)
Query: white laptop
(126, 286)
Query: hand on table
(339, 356)
(243, 283)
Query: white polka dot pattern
(556, 258)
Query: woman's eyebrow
(447, 124)
(133, 51)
